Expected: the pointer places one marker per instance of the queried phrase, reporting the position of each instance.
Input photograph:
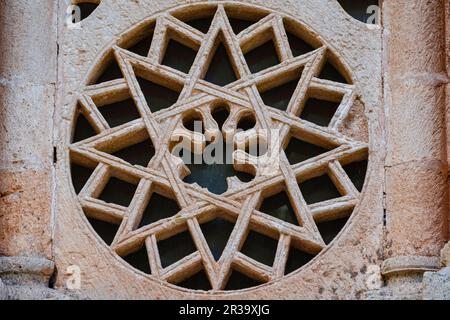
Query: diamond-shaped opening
(329, 72)
(357, 171)
(298, 45)
(158, 97)
(330, 229)
(142, 47)
(319, 111)
(296, 260)
(119, 113)
(80, 175)
(110, 72)
(260, 248)
(280, 96)
(159, 207)
(118, 192)
(83, 129)
(247, 122)
(198, 281)
(107, 231)
(202, 24)
(221, 71)
(359, 9)
(179, 56)
(239, 281)
(319, 189)
(217, 232)
(262, 57)
(279, 207)
(139, 260)
(137, 154)
(193, 121)
(175, 248)
(298, 150)
(86, 9)
(220, 113)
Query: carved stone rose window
(239, 70)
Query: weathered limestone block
(436, 285)
(445, 255)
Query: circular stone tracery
(190, 63)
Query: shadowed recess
(159, 207)
(260, 248)
(330, 229)
(320, 112)
(86, 9)
(194, 122)
(220, 113)
(80, 175)
(221, 70)
(107, 231)
(262, 57)
(120, 113)
(139, 260)
(239, 281)
(118, 192)
(111, 72)
(359, 9)
(158, 97)
(329, 72)
(138, 154)
(279, 97)
(142, 47)
(279, 207)
(356, 171)
(175, 248)
(296, 260)
(217, 232)
(319, 189)
(298, 151)
(198, 281)
(247, 122)
(298, 46)
(201, 24)
(83, 129)
(240, 25)
(179, 56)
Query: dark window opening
(296, 259)
(239, 25)
(221, 71)
(158, 97)
(179, 56)
(329, 72)
(357, 173)
(330, 229)
(202, 24)
(107, 231)
(159, 207)
(220, 114)
(262, 57)
(319, 189)
(175, 248)
(194, 122)
(298, 151)
(120, 113)
(86, 9)
(118, 192)
(279, 97)
(260, 248)
(320, 112)
(217, 232)
(137, 154)
(198, 281)
(142, 47)
(80, 175)
(298, 46)
(239, 281)
(139, 260)
(247, 122)
(279, 207)
(83, 129)
(359, 9)
(111, 72)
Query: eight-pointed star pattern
(165, 173)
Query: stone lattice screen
(142, 223)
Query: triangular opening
(139, 260)
(198, 281)
(137, 154)
(262, 57)
(175, 248)
(329, 72)
(217, 232)
(221, 70)
(298, 45)
(330, 229)
(179, 56)
(158, 97)
(319, 111)
(83, 129)
(80, 175)
(260, 248)
(120, 113)
(118, 192)
(142, 47)
(298, 151)
(111, 72)
(159, 207)
(319, 189)
(279, 207)
(279, 97)
(107, 231)
(356, 171)
(240, 25)
(86, 9)
(202, 24)
(296, 260)
(239, 281)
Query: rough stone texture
(436, 285)
(445, 255)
